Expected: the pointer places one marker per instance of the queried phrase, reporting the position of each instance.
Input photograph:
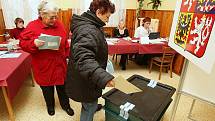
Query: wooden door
(2, 26)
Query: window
(26, 9)
(115, 18)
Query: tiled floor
(29, 103)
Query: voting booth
(148, 105)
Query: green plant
(155, 4)
(139, 7)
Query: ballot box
(148, 105)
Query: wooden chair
(164, 61)
(33, 80)
(115, 56)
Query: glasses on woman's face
(50, 20)
(52, 17)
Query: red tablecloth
(124, 47)
(151, 48)
(14, 71)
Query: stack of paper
(144, 40)
(127, 38)
(156, 41)
(51, 42)
(7, 54)
(134, 40)
(3, 52)
(112, 41)
(3, 45)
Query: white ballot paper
(10, 55)
(125, 86)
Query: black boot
(69, 111)
(51, 111)
(123, 67)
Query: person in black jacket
(120, 32)
(86, 74)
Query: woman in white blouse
(144, 30)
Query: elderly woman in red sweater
(49, 66)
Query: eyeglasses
(52, 17)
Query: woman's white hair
(45, 7)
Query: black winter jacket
(118, 35)
(86, 75)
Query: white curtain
(114, 19)
(25, 9)
(119, 13)
(84, 6)
(76, 11)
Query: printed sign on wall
(193, 31)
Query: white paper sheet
(3, 52)
(112, 39)
(10, 55)
(110, 43)
(3, 45)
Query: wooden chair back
(168, 55)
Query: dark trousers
(123, 60)
(48, 93)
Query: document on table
(125, 86)
(3, 45)
(3, 52)
(127, 38)
(112, 41)
(157, 41)
(51, 42)
(10, 55)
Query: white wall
(64, 4)
(199, 83)
(130, 4)
(0, 4)
(165, 5)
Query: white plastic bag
(109, 67)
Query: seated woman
(120, 32)
(143, 30)
(15, 33)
